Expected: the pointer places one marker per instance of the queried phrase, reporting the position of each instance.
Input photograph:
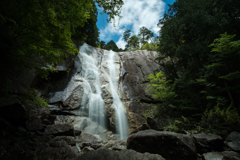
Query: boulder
(60, 130)
(116, 144)
(106, 154)
(72, 95)
(93, 141)
(168, 144)
(226, 155)
(48, 119)
(233, 141)
(143, 127)
(208, 142)
(58, 150)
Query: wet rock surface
(132, 70)
(208, 142)
(59, 129)
(233, 141)
(168, 144)
(116, 144)
(226, 155)
(93, 141)
(106, 154)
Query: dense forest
(198, 48)
(199, 51)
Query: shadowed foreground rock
(233, 141)
(226, 155)
(170, 145)
(59, 130)
(106, 154)
(208, 142)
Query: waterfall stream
(92, 96)
(121, 117)
(92, 91)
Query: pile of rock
(176, 146)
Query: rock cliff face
(88, 100)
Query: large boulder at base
(106, 154)
(168, 144)
(60, 130)
(226, 155)
(208, 142)
(233, 141)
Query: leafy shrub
(31, 97)
(221, 120)
(179, 125)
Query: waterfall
(91, 60)
(92, 91)
(121, 117)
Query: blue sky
(135, 14)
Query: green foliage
(126, 35)
(111, 7)
(102, 44)
(144, 35)
(111, 45)
(220, 119)
(150, 112)
(149, 47)
(31, 97)
(161, 89)
(179, 125)
(133, 42)
(200, 74)
(37, 34)
(89, 32)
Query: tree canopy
(111, 45)
(199, 52)
(38, 34)
(144, 35)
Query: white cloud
(121, 43)
(135, 14)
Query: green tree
(225, 67)
(133, 42)
(161, 89)
(144, 35)
(89, 32)
(111, 46)
(102, 44)
(126, 35)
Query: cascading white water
(121, 118)
(92, 90)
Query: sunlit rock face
(107, 92)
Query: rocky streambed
(45, 137)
